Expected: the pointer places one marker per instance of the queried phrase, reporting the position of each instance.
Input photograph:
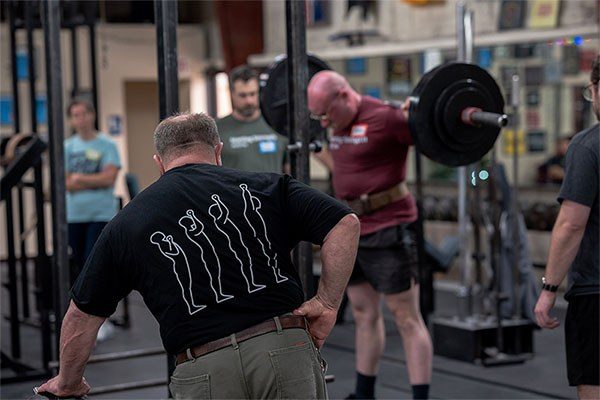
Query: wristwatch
(550, 288)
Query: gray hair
(179, 133)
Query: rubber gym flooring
(542, 377)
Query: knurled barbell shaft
(476, 117)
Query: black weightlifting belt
(369, 203)
(286, 321)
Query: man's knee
(366, 314)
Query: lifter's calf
(415, 336)
(370, 330)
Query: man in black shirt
(208, 248)
(574, 249)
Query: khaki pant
(277, 365)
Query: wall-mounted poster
(586, 58)
(534, 76)
(356, 66)
(570, 59)
(22, 64)
(524, 50)
(532, 97)
(532, 117)
(6, 110)
(484, 57)
(317, 12)
(399, 76)
(372, 90)
(543, 14)
(41, 109)
(552, 71)
(536, 141)
(508, 145)
(512, 14)
(115, 127)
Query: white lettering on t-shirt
(242, 142)
(335, 142)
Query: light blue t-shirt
(90, 157)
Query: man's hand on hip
(321, 318)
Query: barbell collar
(314, 147)
(476, 117)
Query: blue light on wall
(6, 110)
(41, 109)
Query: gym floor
(542, 377)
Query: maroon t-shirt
(369, 157)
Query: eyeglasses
(316, 117)
(587, 92)
(324, 117)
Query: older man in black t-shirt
(574, 248)
(209, 248)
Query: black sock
(420, 391)
(365, 386)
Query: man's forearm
(564, 245)
(96, 181)
(338, 254)
(77, 339)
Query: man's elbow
(572, 227)
(351, 225)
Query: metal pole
(23, 253)
(31, 64)
(426, 293)
(74, 61)
(10, 234)
(514, 212)
(13, 67)
(43, 276)
(165, 12)
(33, 114)
(211, 91)
(60, 259)
(297, 65)
(464, 40)
(93, 71)
(15, 340)
(165, 18)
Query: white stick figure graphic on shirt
(220, 214)
(181, 268)
(194, 230)
(252, 215)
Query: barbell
(455, 115)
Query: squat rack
(166, 29)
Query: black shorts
(387, 259)
(581, 336)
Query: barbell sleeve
(476, 117)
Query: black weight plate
(441, 142)
(448, 112)
(274, 95)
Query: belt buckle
(365, 204)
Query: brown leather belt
(368, 203)
(285, 321)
